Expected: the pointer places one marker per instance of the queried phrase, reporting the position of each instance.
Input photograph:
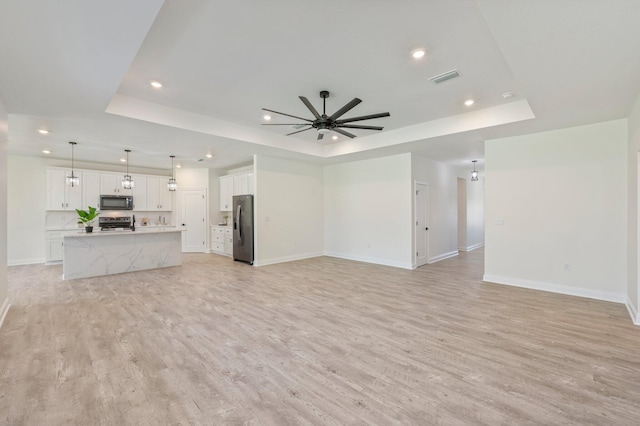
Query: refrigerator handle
(237, 224)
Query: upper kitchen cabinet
(91, 189)
(111, 184)
(140, 198)
(226, 193)
(60, 196)
(230, 185)
(159, 198)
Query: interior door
(422, 224)
(193, 221)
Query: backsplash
(69, 219)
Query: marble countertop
(98, 233)
(96, 228)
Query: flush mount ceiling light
(127, 180)
(43, 131)
(72, 179)
(474, 173)
(469, 102)
(418, 53)
(156, 84)
(172, 185)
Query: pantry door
(193, 222)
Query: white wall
(475, 213)
(557, 198)
(288, 210)
(26, 200)
(633, 182)
(443, 210)
(4, 284)
(368, 211)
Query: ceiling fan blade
(306, 102)
(288, 115)
(362, 117)
(303, 130)
(354, 126)
(344, 109)
(342, 132)
(282, 124)
(320, 136)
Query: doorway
(193, 223)
(421, 203)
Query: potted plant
(87, 217)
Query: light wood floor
(316, 342)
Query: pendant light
(172, 185)
(127, 180)
(474, 173)
(72, 179)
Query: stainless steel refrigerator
(243, 228)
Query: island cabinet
(159, 198)
(60, 196)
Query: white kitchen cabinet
(228, 241)
(159, 198)
(111, 184)
(140, 198)
(60, 196)
(54, 244)
(230, 185)
(91, 189)
(222, 240)
(226, 193)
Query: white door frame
(423, 260)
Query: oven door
(116, 202)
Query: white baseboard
(3, 310)
(557, 288)
(283, 259)
(471, 247)
(367, 259)
(33, 261)
(443, 256)
(635, 316)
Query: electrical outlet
(566, 267)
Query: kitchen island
(117, 251)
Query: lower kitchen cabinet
(222, 240)
(54, 244)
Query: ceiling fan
(325, 124)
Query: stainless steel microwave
(116, 202)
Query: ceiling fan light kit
(325, 124)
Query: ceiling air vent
(445, 76)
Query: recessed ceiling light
(267, 117)
(156, 84)
(46, 151)
(178, 166)
(123, 160)
(469, 102)
(334, 137)
(417, 54)
(43, 131)
(209, 155)
(508, 95)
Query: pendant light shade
(474, 173)
(127, 180)
(72, 179)
(172, 185)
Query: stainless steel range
(112, 223)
